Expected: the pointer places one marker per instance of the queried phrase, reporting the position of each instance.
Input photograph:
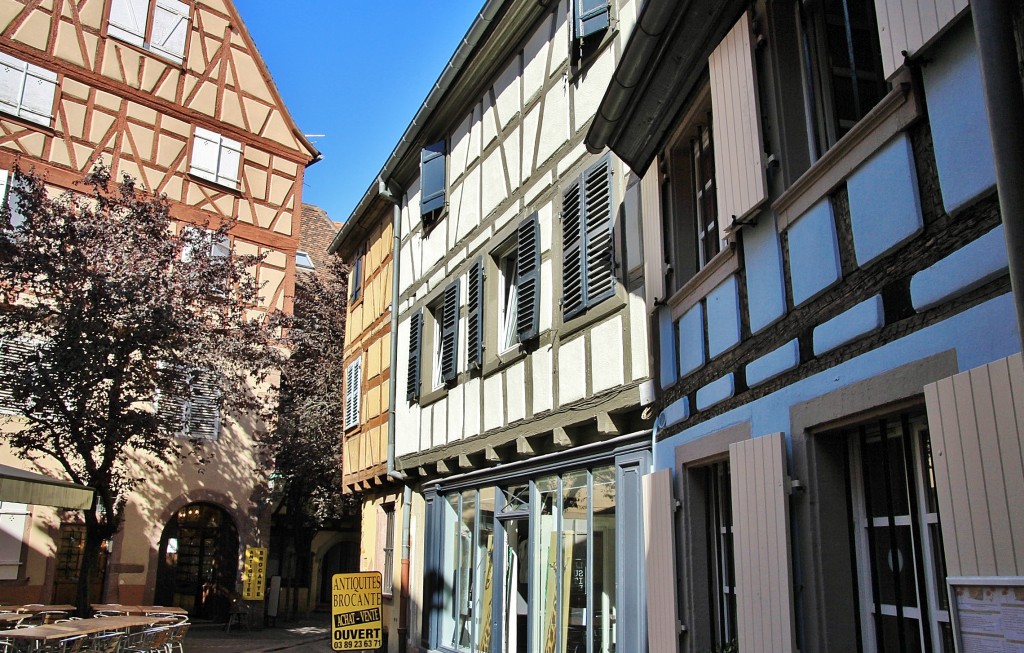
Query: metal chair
(152, 640)
(104, 643)
(177, 639)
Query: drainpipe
(394, 194)
(1000, 78)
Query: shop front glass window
(603, 565)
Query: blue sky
(355, 72)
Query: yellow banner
(254, 574)
(356, 620)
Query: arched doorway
(342, 558)
(198, 561)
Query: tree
(306, 447)
(106, 313)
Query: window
(843, 64)
(355, 277)
(898, 542)
(195, 415)
(689, 207)
(218, 244)
(588, 253)
(215, 158)
(13, 517)
(446, 337)
(159, 26)
(388, 568)
(433, 163)
(721, 573)
(518, 287)
(26, 90)
(591, 19)
(303, 261)
(508, 297)
(353, 381)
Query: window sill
(718, 269)
(179, 64)
(32, 124)
(434, 396)
(900, 108)
(496, 363)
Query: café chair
(103, 643)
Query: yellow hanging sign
(254, 574)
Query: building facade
(174, 94)
(837, 354)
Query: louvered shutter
(474, 316)
(170, 26)
(128, 20)
(599, 244)
(412, 385)
(572, 251)
(13, 357)
(353, 379)
(203, 417)
(592, 16)
(432, 178)
(528, 278)
(450, 333)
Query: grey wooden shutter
(527, 278)
(599, 244)
(474, 316)
(170, 26)
(203, 419)
(450, 333)
(412, 384)
(432, 178)
(592, 16)
(572, 251)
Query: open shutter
(592, 16)
(204, 406)
(412, 384)
(128, 20)
(12, 73)
(599, 244)
(654, 253)
(170, 26)
(13, 518)
(450, 333)
(474, 316)
(572, 251)
(528, 278)
(739, 147)
(659, 545)
(764, 569)
(228, 162)
(353, 378)
(432, 178)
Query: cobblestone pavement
(302, 636)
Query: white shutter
(128, 20)
(37, 98)
(12, 531)
(650, 217)
(220, 246)
(12, 76)
(739, 148)
(659, 552)
(764, 569)
(170, 26)
(353, 377)
(230, 158)
(205, 150)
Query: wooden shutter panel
(764, 569)
(739, 147)
(128, 20)
(572, 250)
(12, 72)
(474, 316)
(528, 278)
(37, 97)
(353, 379)
(203, 418)
(205, 150)
(653, 252)
(450, 333)
(228, 161)
(170, 26)
(432, 178)
(599, 244)
(659, 526)
(412, 384)
(592, 16)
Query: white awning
(20, 486)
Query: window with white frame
(160, 26)
(388, 548)
(13, 517)
(215, 158)
(353, 382)
(508, 335)
(303, 261)
(195, 414)
(26, 90)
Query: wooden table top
(62, 607)
(139, 609)
(12, 617)
(51, 632)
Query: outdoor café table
(138, 609)
(59, 607)
(51, 632)
(10, 619)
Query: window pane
(517, 497)
(603, 587)
(464, 574)
(545, 555)
(883, 461)
(452, 527)
(484, 600)
(575, 510)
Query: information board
(254, 574)
(356, 620)
(990, 618)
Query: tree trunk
(94, 537)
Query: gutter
(654, 19)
